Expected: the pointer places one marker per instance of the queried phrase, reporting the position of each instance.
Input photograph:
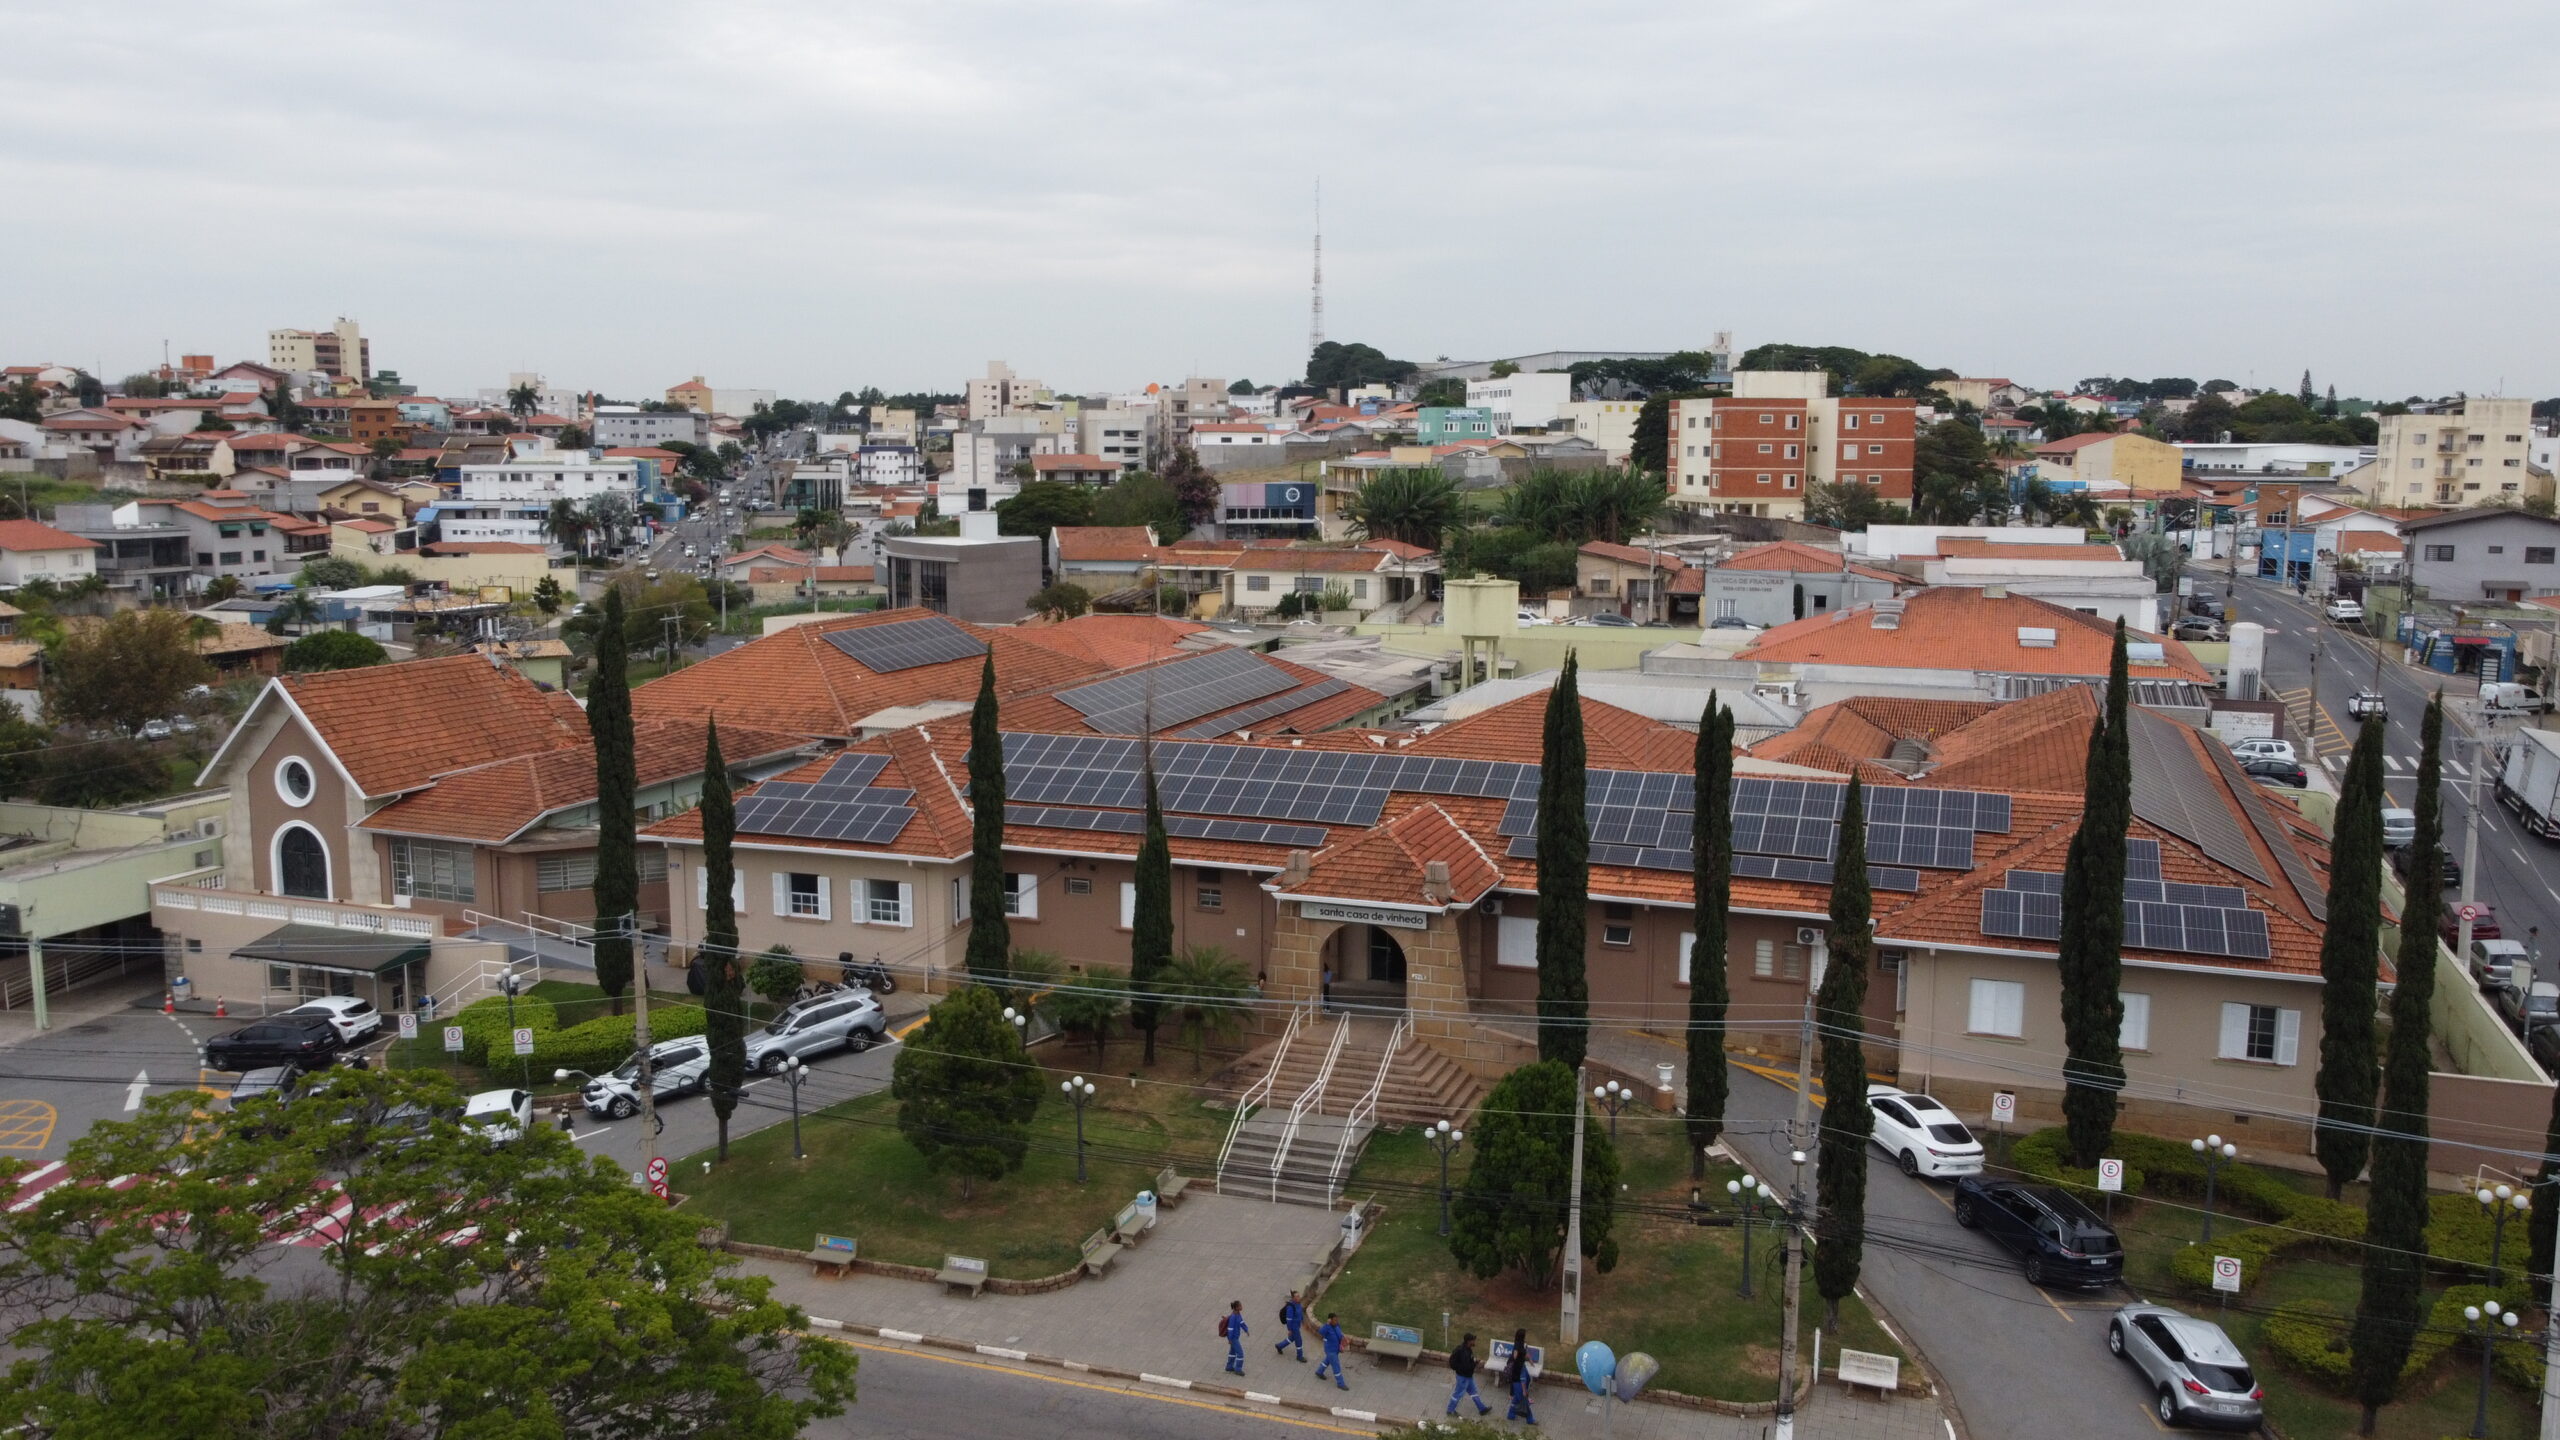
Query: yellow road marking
(2057, 1306)
(1133, 1394)
(26, 1124)
(911, 1027)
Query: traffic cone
(169, 1002)
(219, 1010)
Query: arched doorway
(301, 863)
(1368, 965)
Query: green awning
(323, 947)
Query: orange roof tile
(495, 802)
(1388, 864)
(1961, 628)
(1105, 543)
(1292, 561)
(1515, 730)
(1796, 557)
(1957, 548)
(30, 535)
(395, 727)
(1114, 642)
(1633, 555)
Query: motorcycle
(874, 977)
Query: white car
(839, 1019)
(1924, 1137)
(2343, 611)
(675, 1066)
(353, 1019)
(500, 1115)
(1532, 617)
(2266, 749)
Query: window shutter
(1128, 905)
(2235, 1032)
(959, 900)
(1764, 958)
(826, 899)
(738, 891)
(1688, 942)
(781, 893)
(1517, 942)
(1026, 895)
(2135, 1033)
(2288, 1036)
(701, 887)
(906, 903)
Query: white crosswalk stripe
(2393, 761)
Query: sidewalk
(1155, 1316)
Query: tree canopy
(333, 650)
(1852, 372)
(1417, 505)
(130, 668)
(1685, 370)
(966, 1090)
(1334, 365)
(1141, 498)
(1043, 505)
(1510, 1214)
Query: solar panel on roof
(2141, 858)
(906, 644)
(1179, 693)
(1255, 714)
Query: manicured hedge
(2310, 1337)
(595, 1046)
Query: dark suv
(305, 1042)
(2062, 1242)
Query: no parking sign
(2226, 1273)
(2111, 1175)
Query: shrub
(2310, 1337)
(594, 1046)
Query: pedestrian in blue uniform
(1331, 1335)
(1518, 1376)
(1293, 1320)
(1233, 1327)
(1462, 1363)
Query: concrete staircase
(1421, 1086)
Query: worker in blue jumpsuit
(1293, 1320)
(1233, 1327)
(1331, 1335)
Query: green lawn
(862, 1179)
(1675, 1292)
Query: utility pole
(1569, 1323)
(1799, 1139)
(2471, 828)
(2551, 1364)
(640, 1039)
(2311, 721)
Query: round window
(293, 779)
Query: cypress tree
(2543, 1220)
(1711, 896)
(990, 934)
(2350, 952)
(724, 992)
(2091, 952)
(2391, 1304)
(1151, 923)
(1564, 878)
(617, 883)
(1840, 1223)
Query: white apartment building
(1609, 424)
(1001, 392)
(983, 460)
(2469, 455)
(341, 350)
(2245, 458)
(623, 426)
(507, 502)
(548, 399)
(1117, 435)
(1522, 399)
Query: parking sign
(2111, 1175)
(408, 1027)
(2004, 1107)
(2226, 1273)
(453, 1039)
(524, 1039)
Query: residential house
(239, 652)
(1962, 643)
(1609, 424)
(2009, 428)
(2092, 579)
(1629, 580)
(198, 458)
(2104, 460)
(2484, 554)
(1102, 558)
(1984, 393)
(544, 662)
(31, 550)
(102, 435)
(1789, 580)
(1369, 579)
(1523, 400)
(1089, 470)
(1453, 424)
(144, 559)
(227, 533)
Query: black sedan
(2403, 855)
(2268, 770)
(2061, 1240)
(304, 1042)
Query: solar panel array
(1255, 714)
(1124, 822)
(2166, 794)
(906, 644)
(2158, 914)
(1759, 867)
(1177, 694)
(838, 805)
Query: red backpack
(1222, 1327)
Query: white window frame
(702, 888)
(1688, 944)
(790, 902)
(1996, 1008)
(1128, 905)
(2135, 1032)
(1022, 895)
(1515, 942)
(899, 912)
(1764, 959)
(2240, 1022)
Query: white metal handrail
(1259, 1093)
(1365, 1110)
(1309, 1099)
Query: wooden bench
(964, 1272)
(835, 1250)
(1862, 1367)
(1128, 1225)
(1169, 1187)
(1099, 1251)
(1396, 1342)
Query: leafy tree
(990, 934)
(1194, 488)
(2091, 952)
(1891, 375)
(22, 401)
(1839, 361)
(88, 389)
(1337, 366)
(100, 776)
(1951, 467)
(575, 437)
(1710, 897)
(1240, 387)
(1139, 498)
(967, 1090)
(1151, 919)
(580, 1306)
(1574, 506)
(1514, 553)
(1444, 393)
(1066, 598)
(295, 611)
(385, 448)
(289, 417)
(1042, 506)
(1841, 1222)
(617, 882)
(1684, 371)
(1564, 877)
(1086, 1005)
(1209, 993)
(776, 974)
(1510, 1213)
(1504, 369)
(523, 400)
(566, 523)
(2390, 1304)
(1851, 505)
(333, 650)
(1418, 506)
(223, 587)
(329, 572)
(2350, 961)
(143, 385)
(724, 989)
(2161, 557)
(548, 597)
(129, 669)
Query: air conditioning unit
(402, 902)
(1808, 935)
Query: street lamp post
(2215, 1151)
(1752, 1197)
(1079, 1093)
(1613, 1097)
(1445, 1139)
(509, 984)
(2487, 1322)
(2501, 1201)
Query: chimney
(1435, 881)
(1301, 864)
(1995, 592)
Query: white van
(2399, 827)
(2503, 698)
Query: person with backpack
(1462, 1363)
(1517, 1375)
(1232, 1326)
(1293, 1319)
(1331, 1335)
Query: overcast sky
(818, 197)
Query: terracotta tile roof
(370, 527)
(239, 640)
(825, 574)
(938, 777)
(797, 682)
(1387, 864)
(1312, 562)
(782, 554)
(493, 803)
(1401, 549)
(1072, 462)
(1105, 543)
(2036, 744)
(1047, 712)
(1114, 642)
(641, 452)
(395, 727)
(526, 649)
(1956, 548)
(1961, 628)
(2070, 443)
(1516, 730)
(31, 535)
(1633, 555)
(2369, 542)
(1796, 557)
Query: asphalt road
(919, 1394)
(692, 1127)
(55, 1085)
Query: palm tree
(1416, 506)
(2037, 501)
(1208, 993)
(824, 530)
(1617, 503)
(569, 525)
(221, 588)
(611, 515)
(2078, 508)
(296, 611)
(1087, 1004)
(523, 400)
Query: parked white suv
(1923, 1136)
(2266, 749)
(675, 1066)
(839, 1019)
(354, 1019)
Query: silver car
(847, 1019)
(2200, 1377)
